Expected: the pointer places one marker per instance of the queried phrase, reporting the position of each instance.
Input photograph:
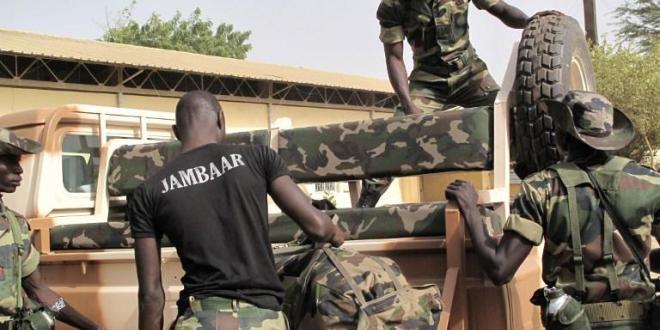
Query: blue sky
(331, 35)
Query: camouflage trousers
(478, 90)
(229, 314)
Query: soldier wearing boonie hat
(26, 302)
(12, 144)
(607, 205)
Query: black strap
(620, 225)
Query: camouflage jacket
(541, 212)
(8, 258)
(437, 31)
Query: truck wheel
(553, 58)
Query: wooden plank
(41, 229)
(455, 229)
(448, 292)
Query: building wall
(240, 115)
(18, 99)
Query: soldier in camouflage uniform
(447, 71)
(22, 290)
(559, 201)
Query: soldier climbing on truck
(447, 72)
(87, 247)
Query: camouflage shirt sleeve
(527, 209)
(390, 16)
(485, 4)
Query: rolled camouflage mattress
(130, 165)
(404, 220)
(383, 222)
(397, 146)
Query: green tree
(631, 80)
(193, 34)
(639, 23)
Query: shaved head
(198, 116)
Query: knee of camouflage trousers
(230, 314)
(372, 190)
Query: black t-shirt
(211, 203)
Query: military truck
(74, 193)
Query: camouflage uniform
(15, 246)
(542, 211)
(9, 297)
(224, 313)
(447, 71)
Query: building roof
(25, 43)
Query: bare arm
(36, 289)
(509, 15)
(316, 224)
(150, 293)
(396, 71)
(500, 261)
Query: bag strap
(571, 176)
(303, 279)
(608, 256)
(621, 226)
(578, 261)
(18, 242)
(342, 270)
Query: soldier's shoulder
(20, 217)
(544, 177)
(16, 214)
(636, 169)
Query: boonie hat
(12, 144)
(591, 118)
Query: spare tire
(553, 58)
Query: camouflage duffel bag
(330, 288)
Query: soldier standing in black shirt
(211, 203)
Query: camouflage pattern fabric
(8, 262)
(131, 164)
(404, 220)
(410, 145)
(591, 118)
(367, 292)
(399, 146)
(101, 235)
(223, 313)
(541, 212)
(12, 144)
(446, 65)
(479, 90)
